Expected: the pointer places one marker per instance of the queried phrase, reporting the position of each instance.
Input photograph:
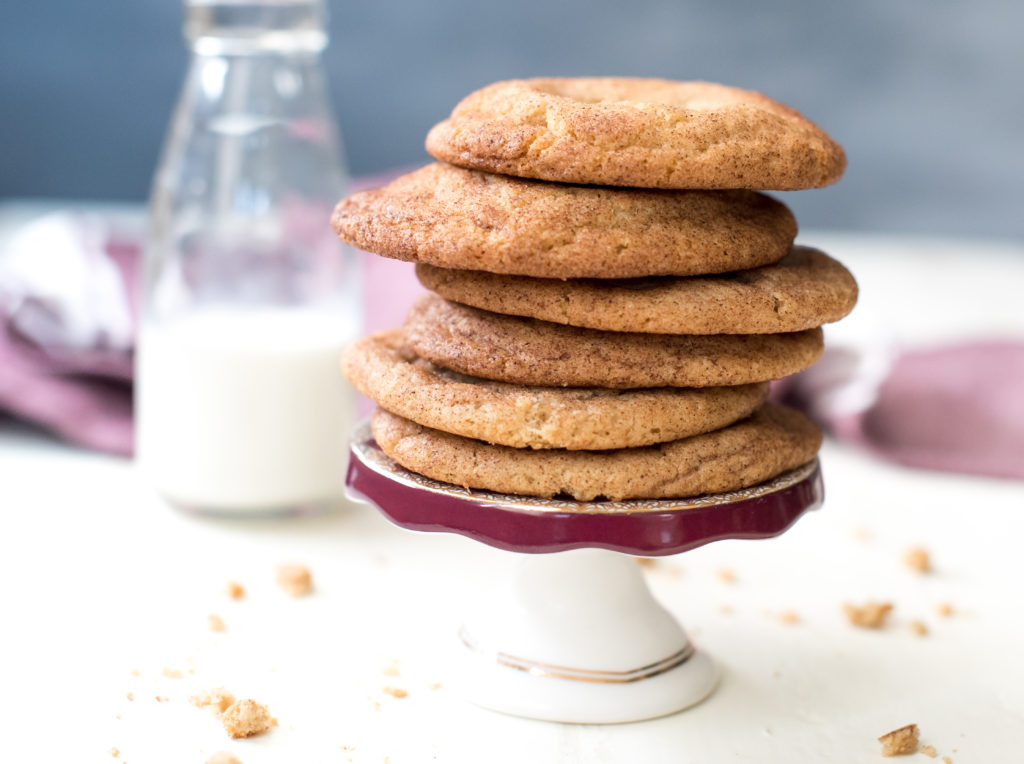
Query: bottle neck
(253, 27)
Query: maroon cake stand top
(527, 524)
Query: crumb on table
(295, 579)
(223, 757)
(918, 559)
(215, 623)
(395, 692)
(172, 673)
(393, 669)
(727, 576)
(929, 751)
(871, 615)
(900, 742)
(234, 590)
(114, 751)
(789, 617)
(246, 717)
(919, 628)
(216, 700)
(946, 760)
(944, 609)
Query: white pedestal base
(577, 637)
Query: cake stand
(577, 636)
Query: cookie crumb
(646, 562)
(113, 751)
(929, 751)
(223, 757)
(900, 741)
(130, 695)
(871, 615)
(395, 692)
(136, 672)
(161, 699)
(919, 628)
(393, 669)
(789, 617)
(946, 760)
(725, 610)
(295, 579)
(434, 686)
(918, 559)
(945, 610)
(234, 590)
(216, 700)
(727, 576)
(246, 717)
(215, 623)
(172, 673)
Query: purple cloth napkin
(67, 327)
(954, 409)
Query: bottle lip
(241, 27)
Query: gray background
(927, 96)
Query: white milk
(245, 410)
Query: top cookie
(455, 218)
(637, 132)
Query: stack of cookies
(610, 293)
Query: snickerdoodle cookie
(384, 369)
(637, 132)
(764, 445)
(805, 289)
(455, 218)
(532, 352)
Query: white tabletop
(100, 578)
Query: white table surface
(100, 578)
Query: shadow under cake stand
(577, 636)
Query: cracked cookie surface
(532, 352)
(805, 289)
(384, 369)
(455, 218)
(644, 133)
(774, 439)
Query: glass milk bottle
(248, 296)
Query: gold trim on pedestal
(538, 668)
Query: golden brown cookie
(756, 449)
(637, 132)
(805, 289)
(382, 368)
(454, 218)
(531, 352)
